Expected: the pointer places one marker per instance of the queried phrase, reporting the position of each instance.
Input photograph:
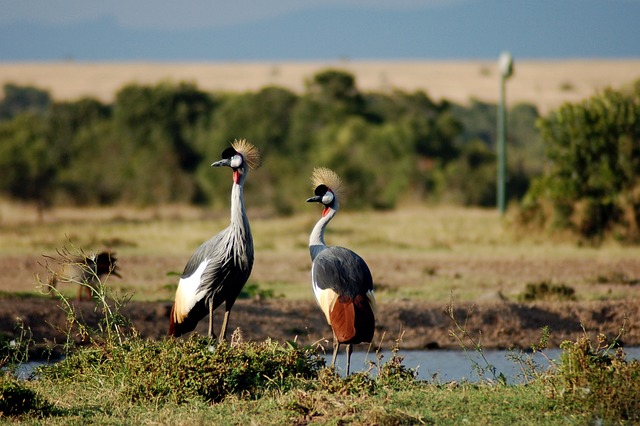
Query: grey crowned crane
(341, 279)
(86, 271)
(220, 267)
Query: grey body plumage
(341, 280)
(219, 268)
(340, 268)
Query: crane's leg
(211, 335)
(225, 321)
(336, 346)
(349, 350)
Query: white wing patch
(326, 298)
(186, 295)
(372, 302)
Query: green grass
(189, 382)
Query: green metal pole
(501, 189)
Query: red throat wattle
(236, 176)
(325, 211)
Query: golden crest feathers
(325, 176)
(249, 152)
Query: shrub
(547, 291)
(16, 398)
(471, 179)
(597, 380)
(177, 370)
(253, 291)
(591, 180)
(395, 375)
(23, 99)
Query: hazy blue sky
(317, 29)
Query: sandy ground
(546, 84)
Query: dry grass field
(416, 253)
(546, 84)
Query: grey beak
(223, 162)
(315, 199)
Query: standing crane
(86, 271)
(219, 268)
(341, 280)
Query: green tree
(162, 123)
(479, 121)
(64, 121)
(20, 99)
(593, 148)
(331, 97)
(99, 172)
(376, 161)
(431, 130)
(27, 168)
(471, 179)
(336, 88)
(525, 154)
(263, 118)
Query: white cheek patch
(236, 161)
(327, 198)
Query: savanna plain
(444, 276)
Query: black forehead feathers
(229, 152)
(321, 190)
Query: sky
(259, 30)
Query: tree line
(577, 168)
(154, 143)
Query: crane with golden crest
(341, 280)
(219, 268)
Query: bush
(471, 179)
(547, 291)
(23, 99)
(178, 370)
(17, 399)
(593, 172)
(597, 381)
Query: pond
(444, 366)
(440, 366)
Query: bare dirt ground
(492, 317)
(421, 325)
(546, 84)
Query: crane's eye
(327, 198)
